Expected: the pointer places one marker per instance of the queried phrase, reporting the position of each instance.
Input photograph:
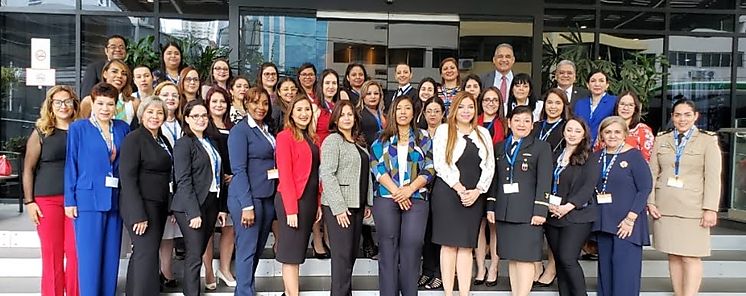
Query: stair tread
(369, 283)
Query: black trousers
(144, 267)
(430, 252)
(195, 241)
(566, 242)
(344, 244)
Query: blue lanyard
(606, 168)
(557, 172)
(543, 136)
(160, 142)
(511, 157)
(378, 120)
(109, 145)
(492, 123)
(680, 149)
(215, 160)
(171, 131)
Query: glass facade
(703, 40)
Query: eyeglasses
(565, 73)
(269, 74)
(191, 79)
(223, 69)
(494, 101)
(307, 74)
(58, 103)
(627, 106)
(198, 116)
(115, 47)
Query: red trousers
(58, 255)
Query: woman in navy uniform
(518, 198)
(622, 224)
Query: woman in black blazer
(145, 172)
(571, 205)
(195, 204)
(518, 200)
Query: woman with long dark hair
(523, 93)
(171, 63)
(355, 76)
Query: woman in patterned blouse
(640, 135)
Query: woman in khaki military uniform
(686, 167)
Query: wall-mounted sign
(40, 77)
(40, 55)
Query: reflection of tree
(251, 56)
(200, 53)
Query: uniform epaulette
(661, 133)
(706, 132)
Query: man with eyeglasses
(116, 49)
(564, 74)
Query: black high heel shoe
(478, 282)
(491, 283)
(318, 255)
(539, 284)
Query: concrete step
(725, 265)
(368, 286)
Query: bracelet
(27, 202)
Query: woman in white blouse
(465, 164)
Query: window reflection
(569, 18)
(703, 4)
(708, 86)
(478, 40)
(636, 20)
(39, 5)
(97, 29)
(118, 5)
(19, 104)
(692, 22)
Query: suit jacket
(145, 173)
(534, 182)
(604, 109)
(412, 93)
(87, 165)
(294, 166)
(555, 138)
(91, 76)
(578, 186)
(699, 170)
(251, 155)
(578, 92)
(194, 174)
(339, 172)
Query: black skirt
(453, 224)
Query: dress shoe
(211, 286)
(223, 278)
(478, 282)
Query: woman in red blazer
(493, 119)
(297, 205)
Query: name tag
(603, 198)
(112, 182)
(273, 174)
(675, 182)
(510, 188)
(555, 200)
(171, 187)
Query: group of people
(447, 171)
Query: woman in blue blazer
(92, 191)
(251, 149)
(598, 106)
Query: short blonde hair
(147, 102)
(608, 121)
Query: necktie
(681, 138)
(400, 92)
(512, 148)
(504, 88)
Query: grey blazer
(340, 175)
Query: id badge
(510, 188)
(675, 182)
(112, 182)
(555, 200)
(171, 187)
(603, 198)
(273, 174)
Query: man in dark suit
(403, 77)
(502, 77)
(565, 76)
(116, 49)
